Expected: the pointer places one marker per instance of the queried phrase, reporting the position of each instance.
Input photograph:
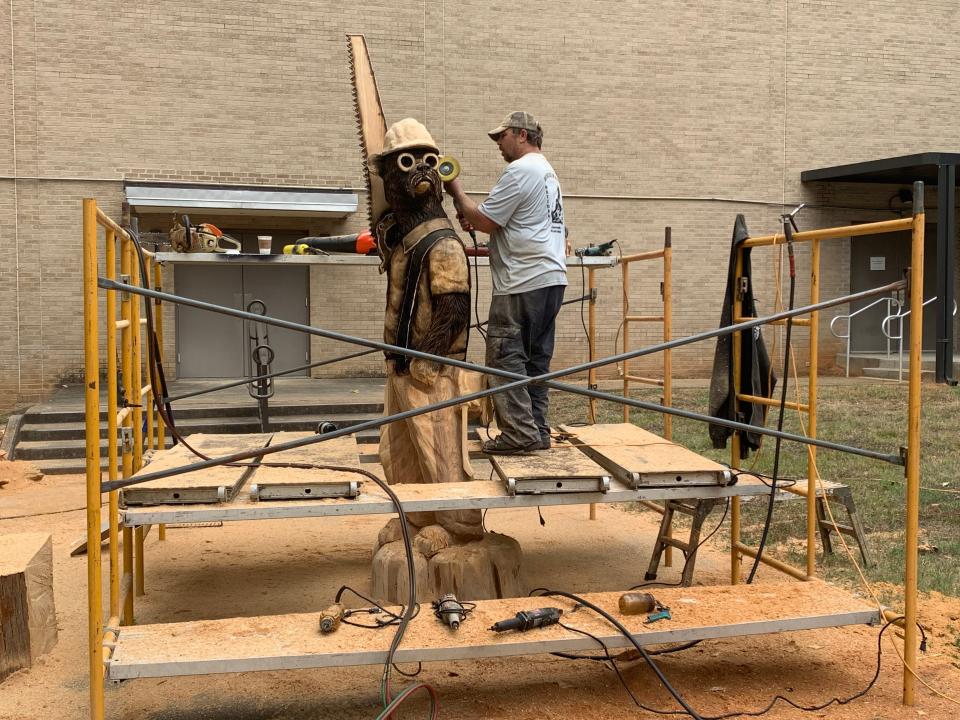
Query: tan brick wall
(682, 114)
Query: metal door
(284, 290)
(880, 259)
(209, 345)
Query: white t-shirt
(528, 251)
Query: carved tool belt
(416, 251)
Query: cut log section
(28, 618)
(216, 484)
(303, 483)
(638, 458)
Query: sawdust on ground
(275, 567)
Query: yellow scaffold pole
(92, 407)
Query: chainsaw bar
(371, 125)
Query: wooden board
(307, 483)
(293, 641)
(637, 457)
(561, 469)
(216, 484)
(28, 618)
(478, 494)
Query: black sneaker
(546, 442)
(499, 446)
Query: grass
(865, 415)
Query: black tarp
(756, 373)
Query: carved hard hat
(403, 135)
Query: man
(524, 217)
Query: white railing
(898, 317)
(890, 301)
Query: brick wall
(682, 114)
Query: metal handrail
(849, 318)
(885, 329)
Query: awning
(239, 200)
(934, 169)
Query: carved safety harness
(416, 245)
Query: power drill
(331, 617)
(449, 610)
(592, 250)
(529, 619)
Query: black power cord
(543, 592)
(744, 713)
(788, 226)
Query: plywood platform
(156, 507)
(288, 483)
(479, 494)
(637, 457)
(209, 485)
(293, 641)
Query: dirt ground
(270, 567)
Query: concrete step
(891, 373)
(34, 431)
(185, 413)
(40, 447)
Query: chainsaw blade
(371, 125)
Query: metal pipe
(757, 400)
(648, 255)
(813, 371)
(520, 381)
(377, 345)
(625, 273)
(138, 584)
(135, 359)
(592, 342)
(110, 261)
(645, 380)
(833, 233)
(772, 562)
(736, 310)
(91, 372)
(911, 551)
(666, 293)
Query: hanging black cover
(756, 373)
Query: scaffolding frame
(122, 586)
(125, 437)
(915, 225)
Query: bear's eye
(406, 161)
(431, 160)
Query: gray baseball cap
(518, 119)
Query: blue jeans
(520, 338)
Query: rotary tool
(529, 619)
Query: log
(480, 570)
(28, 618)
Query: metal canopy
(240, 200)
(933, 168)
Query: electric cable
(543, 592)
(788, 234)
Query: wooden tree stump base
(28, 618)
(484, 569)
